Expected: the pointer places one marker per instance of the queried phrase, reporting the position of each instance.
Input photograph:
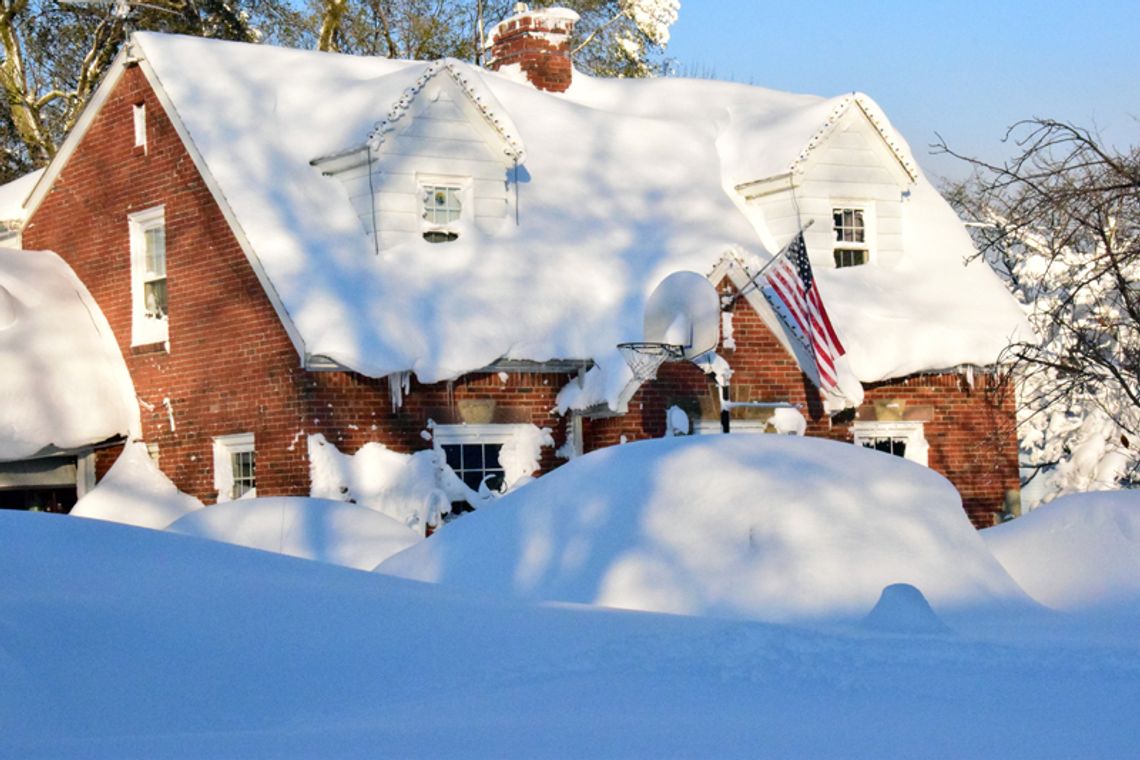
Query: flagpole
(752, 280)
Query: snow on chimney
(538, 42)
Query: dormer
(439, 167)
(851, 180)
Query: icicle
(399, 385)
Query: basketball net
(646, 357)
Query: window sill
(155, 347)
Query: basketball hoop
(646, 357)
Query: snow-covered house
(65, 392)
(427, 254)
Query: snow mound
(903, 609)
(63, 383)
(766, 527)
(135, 492)
(1078, 551)
(317, 529)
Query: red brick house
(289, 243)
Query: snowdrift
(135, 492)
(1077, 552)
(150, 644)
(773, 528)
(318, 529)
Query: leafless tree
(1060, 221)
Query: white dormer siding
(853, 168)
(441, 141)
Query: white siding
(442, 138)
(853, 167)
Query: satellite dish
(684, 310)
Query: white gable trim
(227, 212)
(492, 113)
(789, 180)
(874, 115)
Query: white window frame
(867, 245)
(225, 447)
(138, 119)
(146, 329)
(712, 427)
(461, 188)
(913, 433)
(490, 433)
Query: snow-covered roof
(13, 194)
(64, 384)
(624, 182)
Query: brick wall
(230, 367)
(970, 428)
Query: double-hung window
(148, 276)
(235, 466)
(441, 210)
(852, 237)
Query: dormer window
(852, 237)
(442, 210)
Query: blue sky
(966, 70)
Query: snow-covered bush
(402, 486)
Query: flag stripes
(791, 281)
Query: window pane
(155, 240)
(472, 457)
(849, 225)
(495, 480)
(491, 456)
(154, 295)
(242, 468)
(454, 460)
(849, 257)
(441, 204)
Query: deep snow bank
(319, 529)
(1076, 552)
(135, 492)
(149, 644)
(765, 527)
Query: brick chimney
(539, 42)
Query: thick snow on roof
(14, 193)
(624, 182)
(771, 528)
(63, 382)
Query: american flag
(790, 287)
